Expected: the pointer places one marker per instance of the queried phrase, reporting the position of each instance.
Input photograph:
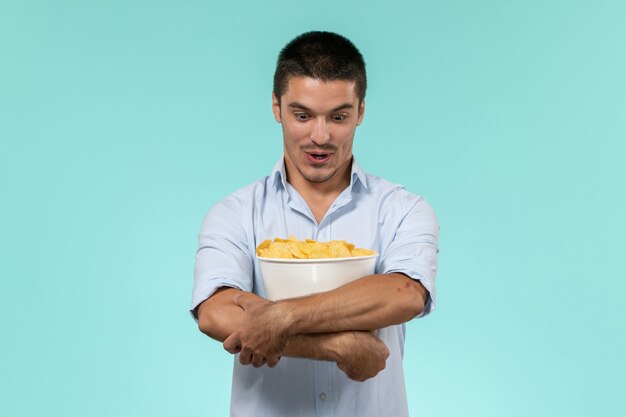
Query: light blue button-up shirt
(371, 213)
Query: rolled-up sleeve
(222, 258)
(413, 246)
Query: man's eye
(302, 116)
(339, 117)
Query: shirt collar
(357, 173)
(279, 175)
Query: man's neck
(320, 195)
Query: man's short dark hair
(324, 56)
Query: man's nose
(320, 134)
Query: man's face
(318, 119)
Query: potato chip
(264, 245)
(295, 250)
(339, 249)
(279, 250)
(291, 248)
(318, 254)
(362, 252)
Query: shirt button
(323, 396)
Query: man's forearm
(359, 354)
(366, 304)
(218, 318)
(370, 303)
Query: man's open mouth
(318, 157)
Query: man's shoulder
(245, 197)
(252, 189)
(380, 185)
(233, 213)
(394, 197)
(387, 190)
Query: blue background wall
(122, 122)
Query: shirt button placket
(323, 400)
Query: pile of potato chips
(292, 248)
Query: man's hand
(258, 329)
(261, 336)
(361, 355)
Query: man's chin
(319, 177)
(317, 180)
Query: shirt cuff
(207, 290)
(426, 281)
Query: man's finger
(257, 361)
(245, 357)
(272, 361)
(232, 344)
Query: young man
(317, 355)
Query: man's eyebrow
(298, 106)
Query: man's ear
(276, 108)
(361, 112)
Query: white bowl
(288, 278)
